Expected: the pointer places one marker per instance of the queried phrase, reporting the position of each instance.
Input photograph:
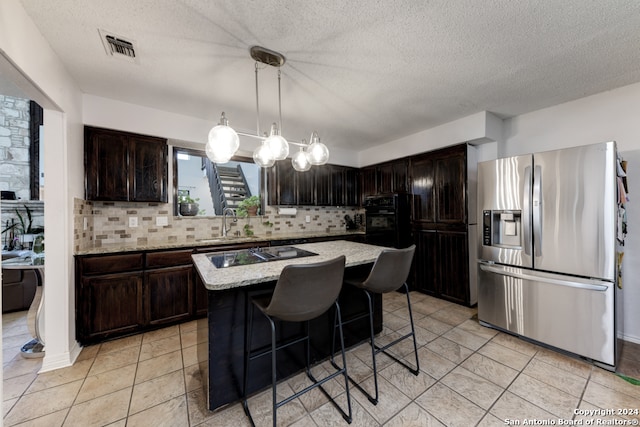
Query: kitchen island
(221, 336)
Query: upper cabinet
(438, 181)
(389, 177)
(122, 166)
(326, 185)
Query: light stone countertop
(216, 279)
(208, 242)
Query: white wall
(480, 128)
(27, 59)
(108, 113)
(607, 116)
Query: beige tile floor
(471, 375)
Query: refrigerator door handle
(524, 276)
(526, 206)
(537, 210)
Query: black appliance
(257, 255)
(388, 220)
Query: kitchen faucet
(225, 212)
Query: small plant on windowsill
(248, 207)
(187, 205)
(248, 231)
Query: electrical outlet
(162, 221)
(307, 218)
(133, 221)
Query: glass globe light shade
(300, 161)
(263, 157)
(222, 143)
(317, 151)
(277, 144)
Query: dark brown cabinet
(122, 166)
(384, 178)
(351, 187)
(282, 184)
(368, 178)
(326, 185)
(112, 306)
(120, 294)
(168, 286)
(439, 186)
(306, 188)
(443, 267)
(441, 182)
(109, 296)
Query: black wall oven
(388, 220)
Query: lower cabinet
(121, 294)
(168, 295)
(111, 306)
(441, 268)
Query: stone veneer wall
(14, 146)
(108, 224)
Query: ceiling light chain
(223, 141)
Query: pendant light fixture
(223, 141)
(300, 159)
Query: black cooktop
(257, 255)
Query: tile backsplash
(105, 223)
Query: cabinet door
(385, 178)
(109, 305)
(400, 171)
(425, 261)
(168, 294)
(351, 187)
(323, 186)
(422, 175)
(337, 185)
(368, 177)
(453, 266)
(148, 169)
(306, 188)
(285, 183)
(106, 165)
(450, 189)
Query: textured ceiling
(361, 73)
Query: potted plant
(187, 205)
(24, 229)
(249, 206)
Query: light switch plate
(85, 223)
(133, 221)
(162, 221)
(307, 218)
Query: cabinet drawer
(112, 263)
(168, 258)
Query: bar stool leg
(347, 418)
(413, 333)
(373, 400)
(273, 369)
(247, 351)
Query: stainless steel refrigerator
(547, 264)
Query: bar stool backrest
(390, 271)
(303, 292)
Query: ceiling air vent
(118, 46)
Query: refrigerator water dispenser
(502, 228)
